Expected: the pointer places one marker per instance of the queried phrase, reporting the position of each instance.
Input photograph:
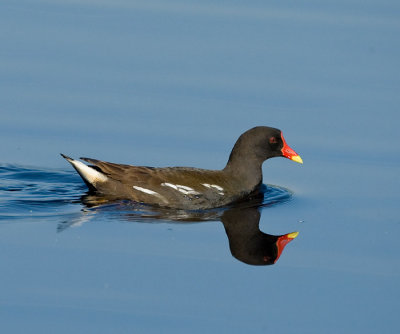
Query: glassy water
(175, 84)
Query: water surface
(175, 84)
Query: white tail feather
(89, 174)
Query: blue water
(175, 84)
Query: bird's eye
(273, 140)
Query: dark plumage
(185, 187)
(247, 243)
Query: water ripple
(37, 192)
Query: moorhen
(186, 187)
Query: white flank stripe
(214, 186)
(183, 189)
(150, 192)
(166, 184)
(147, 191)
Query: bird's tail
(91, 176)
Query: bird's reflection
(247, 243)
(241, 222)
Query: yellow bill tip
(297, 158)
(292, 235)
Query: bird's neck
(247, 172)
